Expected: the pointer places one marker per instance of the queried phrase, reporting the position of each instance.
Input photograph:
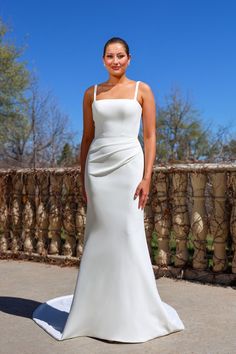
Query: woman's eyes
(119, 56)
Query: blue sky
(184, 43)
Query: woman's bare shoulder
(146, 92)
(145, 87)
(89, 92)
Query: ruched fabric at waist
(106, 154)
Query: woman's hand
(143, 191)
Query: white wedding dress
(115, 296)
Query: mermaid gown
(115, 296)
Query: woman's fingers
(143, 197)
(138, 189)
(142, 191)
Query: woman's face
(116, 59)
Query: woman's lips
(115, 67)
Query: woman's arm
(149, 135)
(88, 133)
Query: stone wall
(190, 218)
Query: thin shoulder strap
(95, 92)
(136, 90)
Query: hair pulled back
(116, 40)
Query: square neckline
(117, 99)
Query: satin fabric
(115, 296)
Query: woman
(115, 296)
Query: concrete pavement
(208, 313)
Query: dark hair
(115, 40)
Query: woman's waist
(104, 144)
(115, 137)
(106, 154)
